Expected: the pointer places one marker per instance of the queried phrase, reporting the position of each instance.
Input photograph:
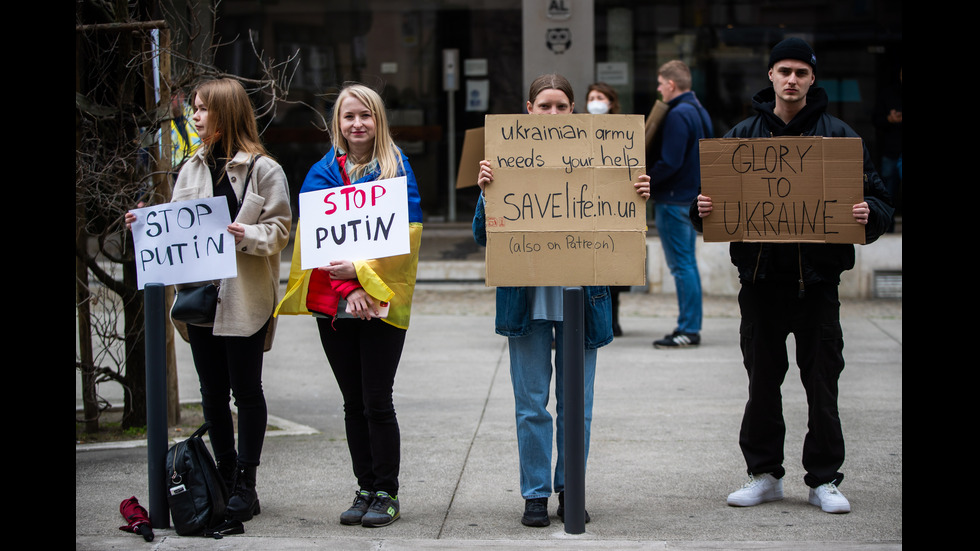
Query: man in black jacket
(793, 288)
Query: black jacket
(803, 262)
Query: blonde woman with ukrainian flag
(362, 347)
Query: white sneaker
(759, 489)
(829, 498)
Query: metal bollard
(156, 403)
(574, 386)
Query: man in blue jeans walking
(674, 181)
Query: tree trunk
(162, 193)
(90, 405)
(134, 405)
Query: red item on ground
(137, 517)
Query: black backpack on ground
(195, 491)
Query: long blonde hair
(230, 117)
(384, 150)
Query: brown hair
(610, 94)
(553, 81)
(385, 151)
(678, 72)
(230, 117)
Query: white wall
(719, 277)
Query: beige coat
(247, 301)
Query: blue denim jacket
(514, 310)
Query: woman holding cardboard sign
(531, 319)
(363, 306)
(228, 351)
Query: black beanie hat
(793, 48)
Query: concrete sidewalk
(664, 452)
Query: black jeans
(364, 356)
(770, 312)
(231, 365)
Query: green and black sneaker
(362, 500)
(382, 512)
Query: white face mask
(598, 107)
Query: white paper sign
(356, 222)
(184, 242)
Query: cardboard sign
(783, 189)
(184, 242)
(657, 115)
(356, 222)
(469, 163)
(562, 209)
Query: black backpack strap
(202, 430)
(248, 178)
(251, 165)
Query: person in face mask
(602, 99)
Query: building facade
(399, 47)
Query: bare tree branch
(118, 144)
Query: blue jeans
(530, 374)
(678, 237)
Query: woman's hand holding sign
(486, 175)
(131, 218)
(340, 269)
(237, 230)
(642, 186)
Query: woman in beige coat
(228, 353)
